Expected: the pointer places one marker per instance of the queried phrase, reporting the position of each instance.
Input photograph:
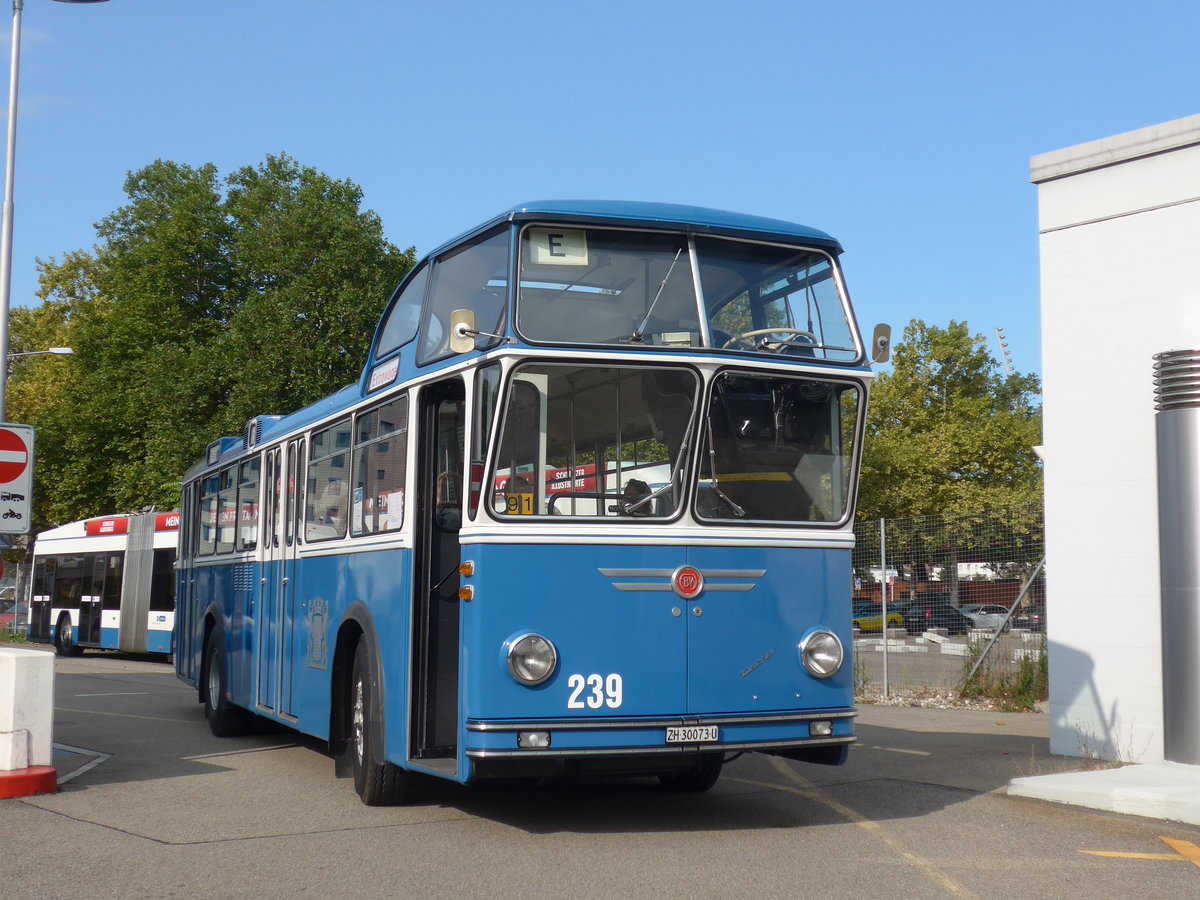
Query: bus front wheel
(64, 643)
(701, 778)
(377, 782)
(224, 719)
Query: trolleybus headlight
(531, 659)
(821, 652)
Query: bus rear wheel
(64, 642)
(377, 782)
(701, 778)
(224, 719)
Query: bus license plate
(692, 734)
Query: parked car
(988, 616)
(1032, 617)
(934, 611)
(868, 616)
(14, 613)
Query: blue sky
(905, 130)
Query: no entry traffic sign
(14, 454)
(16, 478)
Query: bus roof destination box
(26, 722)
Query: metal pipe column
(1177, 425)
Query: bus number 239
(594, 691)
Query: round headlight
(531, 659)
(821, 652)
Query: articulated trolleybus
(106, 583)
(586, 512)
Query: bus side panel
(110, 621)
(379, 580)
(223, 583)
(743, 644)
(621, 646)
(159, 632)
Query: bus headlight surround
(531, 658)
(821, 653)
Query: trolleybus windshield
(605, 441)
(608, 286)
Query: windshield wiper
(636, 337)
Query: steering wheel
(745, 337)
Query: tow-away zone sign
(16, 478)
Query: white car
(988, 616)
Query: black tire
(64, 641)
(376, 781)
(703, 777)
(224, 719)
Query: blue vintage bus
(587, 511)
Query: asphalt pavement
(152, 805)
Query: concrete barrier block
(26, 708)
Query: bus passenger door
(293, 510)
(271, 578)
(277, 604)
(441, 425)
(91, 600)
(39, 604)
(186, 614)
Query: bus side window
(247, 505)
(380, 463)
(227, 511)
(209, 510)
(400, 327)
(328, 491)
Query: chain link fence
(14, 599)
(952, 608)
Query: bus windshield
(594, 441)
(602, 441)
(637, 288)
(777, 448)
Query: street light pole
(6, 221)
(55, 351)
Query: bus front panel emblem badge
(687, 582)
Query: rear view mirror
(462, 330)
(881, 343)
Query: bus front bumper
(821, 736)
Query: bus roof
(696, 219)
(628, 213)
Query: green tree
(203, 303)
(947, 431)
(948, 437)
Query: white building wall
(1120, 281)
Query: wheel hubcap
(356, 721)
(214, 685)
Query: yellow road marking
(1185, 851)
(805, 788)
